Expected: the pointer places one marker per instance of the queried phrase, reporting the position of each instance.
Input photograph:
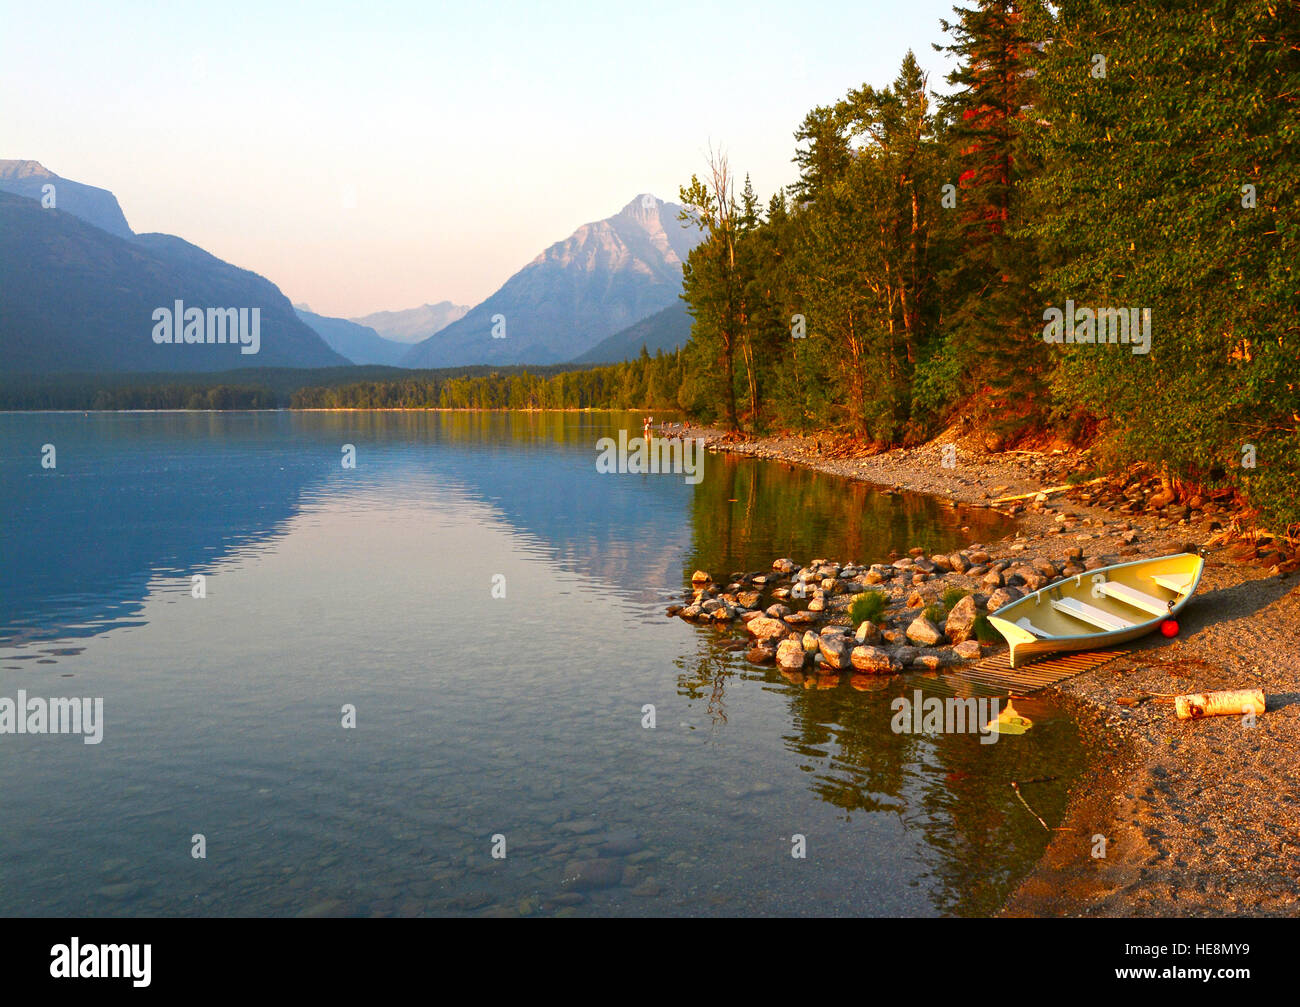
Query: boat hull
(1099, 608)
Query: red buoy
(1169, 627)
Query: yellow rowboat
(1099, 608)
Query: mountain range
(359, 343)
(604, 277)
(413, 324)
(82, 290)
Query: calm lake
(476, 716)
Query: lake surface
(516, 717)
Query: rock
(749, 599)
(924, 565)
(578, 827)
(873, 577)
(588, 875)
(868, 632)
(766, 628)
(992, 579)
(760, 655)
(691, 612)
(958, 562)
(801, 618)
(1160, 499)
(1003, 596)
(930, 662)
(874, 659)
(1075, 553)
(784, 566)
(778, 611)
(1094, 563)
(1031, 578)
(700, 577)
(923, 631)
(790, 655)
(904, 655)
(977, 556)
(1047, 568)
(941, 562)
(620, 844)
(916, 600)
(836, 649)
(818, 603)
(961, 620)
(967, 650)
(811, 642)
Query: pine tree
(991, 303)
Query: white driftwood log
(1233, 702)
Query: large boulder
(868, 632)
(874, 659)
(764, 628)
(924, 632)
(790, 655)
(1003, 596)
(961, 620)
(836, 649)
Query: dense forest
(1092, 234)
(645, 382)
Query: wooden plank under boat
(1098, 608)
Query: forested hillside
(1093, 235)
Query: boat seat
(1024, 623)
(1177, 583)
(1090, 614)
(1132, 596)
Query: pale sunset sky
(376, 156)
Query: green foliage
(868, 607)
(1197, 102)
(984, 631)
(935, 613)
(1115, 189)
(953, 595)
(644, 383)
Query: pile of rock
(798, 616)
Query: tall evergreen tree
(992, 305)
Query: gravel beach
(1196, 817)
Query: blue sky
(381, 155)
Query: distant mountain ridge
(604, 277)
(413, 324)
(93, 205)
(359, 343)
(666, 330)
(80, 292)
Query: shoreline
(1199, 817)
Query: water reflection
(371, 586)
